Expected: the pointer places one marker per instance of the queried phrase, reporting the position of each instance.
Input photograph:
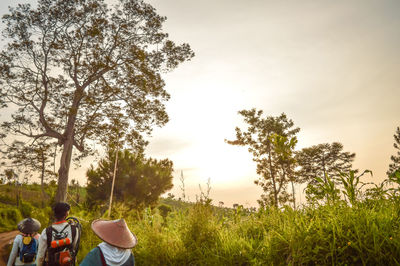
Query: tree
(323, 160)
(395, 165)
(73, 68)
(270, 163)
(30, 159)
(139, 181)
(284, 148)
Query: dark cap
(61, 208)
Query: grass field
(179, 233)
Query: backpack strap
(103, 260)
(49, 235)
(73, 231)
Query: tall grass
(365, 234)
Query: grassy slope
(194, 234)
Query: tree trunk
(273, 180)
(65, 161)
(63, 171)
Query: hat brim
(115, 233)
(29, 226)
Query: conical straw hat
(29, 226)
(115, 232)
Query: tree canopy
(323, 160)
(73, 70)
(139, 181)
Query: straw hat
(29, 226)
(115, 233)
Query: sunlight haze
(331, 66)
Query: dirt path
(6, 239)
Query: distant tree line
(272, 141)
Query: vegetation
(274, 162)
(395, 165)
(139, 181)
(75, 71)
(356, 227)
(323, 160)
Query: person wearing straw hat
(116, 247)
(29, 238)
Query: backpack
(28, 250)
(60, 249)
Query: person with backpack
(115, 250)
(25, 245)
(59, 243)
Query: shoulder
(92, 258)
(43, 235)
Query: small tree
(395, 165)
(352, 185)
(71, 68)
(322, 188)
(270, 166)
(139, 181)
(36, 158)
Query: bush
(25, 208)
(9, 218)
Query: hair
(60, 210)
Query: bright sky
(331, 66)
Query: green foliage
(25, 209)
(395, 164)
(266, 139)
(139, 181)
(322, 189)
(323, 159)
(350, 182)
(333, 234)
(81, 71)
(164, 210)
(36, 158)
(367, 233)
(9, 217)
(394, 178)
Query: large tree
(72, 68)
(139, 181)
(268, 140)
(395, 165)
(323, 160)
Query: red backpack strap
(103, 260)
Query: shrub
(9, 218)
(25, 208)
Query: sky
(331, 66)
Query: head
(115, 233)
(29, 226)
(61, 210)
